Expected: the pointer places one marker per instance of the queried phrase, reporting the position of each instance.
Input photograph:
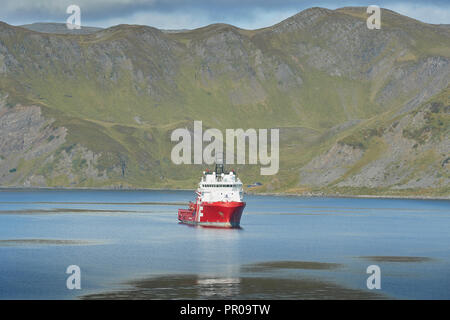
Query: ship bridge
(220, 186)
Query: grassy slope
(101, 116)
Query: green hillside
(359, 111)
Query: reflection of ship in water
(218, 287)
(219, 268)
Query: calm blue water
(134, 234)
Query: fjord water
(130, 244)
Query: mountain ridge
(334, 89)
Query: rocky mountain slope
(359, 111)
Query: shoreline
(349, 196)
(276, 194)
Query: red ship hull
(213, 214)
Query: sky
(179, 14)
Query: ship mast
(219, 164)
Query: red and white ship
(219, 201)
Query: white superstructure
(220, 186)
